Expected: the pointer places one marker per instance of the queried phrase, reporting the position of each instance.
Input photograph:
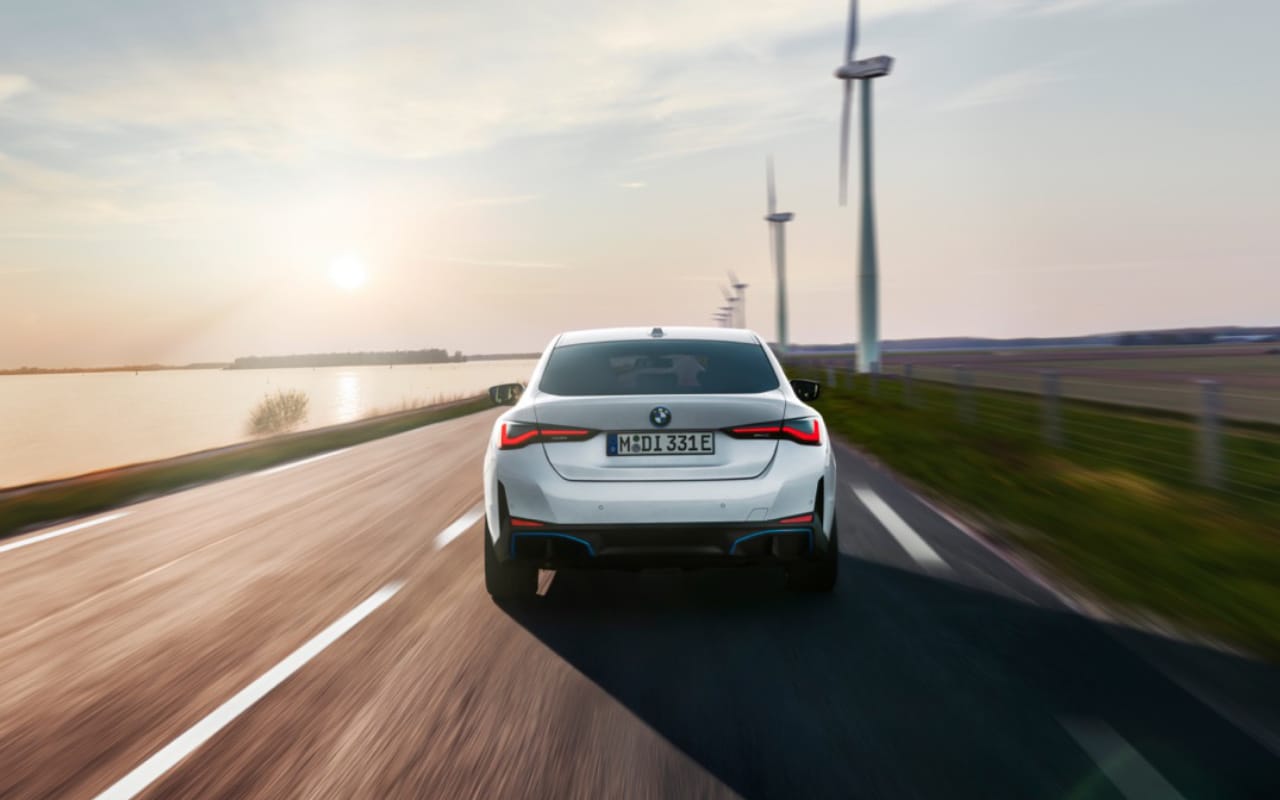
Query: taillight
(802, 430)
(514, 435)
(796, 520)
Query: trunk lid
(589, 460)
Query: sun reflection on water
(348, 400)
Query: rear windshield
(658, 367)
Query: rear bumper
(661, 545)
(535, 491)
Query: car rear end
(652, 448)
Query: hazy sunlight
(348, 271)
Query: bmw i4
(635, 448)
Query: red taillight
(755, 432)
(513, 435)
(517, 522)
(564, 434)
(516, 434)
(803, 430)
(803, 518)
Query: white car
(635, 448)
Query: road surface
(321, 630)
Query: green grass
(1119, 509)
(105, 490)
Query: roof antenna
(656, 333)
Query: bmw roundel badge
(660, 416)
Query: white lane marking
(53, 534)
(301, 462)
(1132, 774)
(1010, 560)
(911, 541)
(165, 759)
(545, 578)
(459, 526)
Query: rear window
(658, 367)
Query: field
(1167, 378)
(1117, 508)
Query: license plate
(673, 443)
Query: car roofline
(681, 332)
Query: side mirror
(807, 391)
(506, 394)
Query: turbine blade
(772, 192)
(845, 119)
(851, 38)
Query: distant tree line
(1200, 336)
(432, 355)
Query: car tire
(507, 580)
(818, 575)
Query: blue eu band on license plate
(666, 443)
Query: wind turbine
(727, 313)
(778, 234)
(741, 289)
(731, 300)
(865, 70)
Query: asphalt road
(323, 631)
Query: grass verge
(23, 507)
(1117, 508)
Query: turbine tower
(732, 300)
(726, 316)
(777, 233)
(741, 289)
(864, 71)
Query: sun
(348, 272)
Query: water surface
(53, 426)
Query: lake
(54, 426)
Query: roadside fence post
(875, 380)
(964, 394)
(831, 377)
(1211, 434)
(1051, 408)
(908, 397)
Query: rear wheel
(818, 575)
(507, 580)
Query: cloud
(480, 262)
(314, 80)
(1051, 7)
(504, 200)
(1006, 88)
(13, 85)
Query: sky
(185, 181)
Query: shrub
(279, 413)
